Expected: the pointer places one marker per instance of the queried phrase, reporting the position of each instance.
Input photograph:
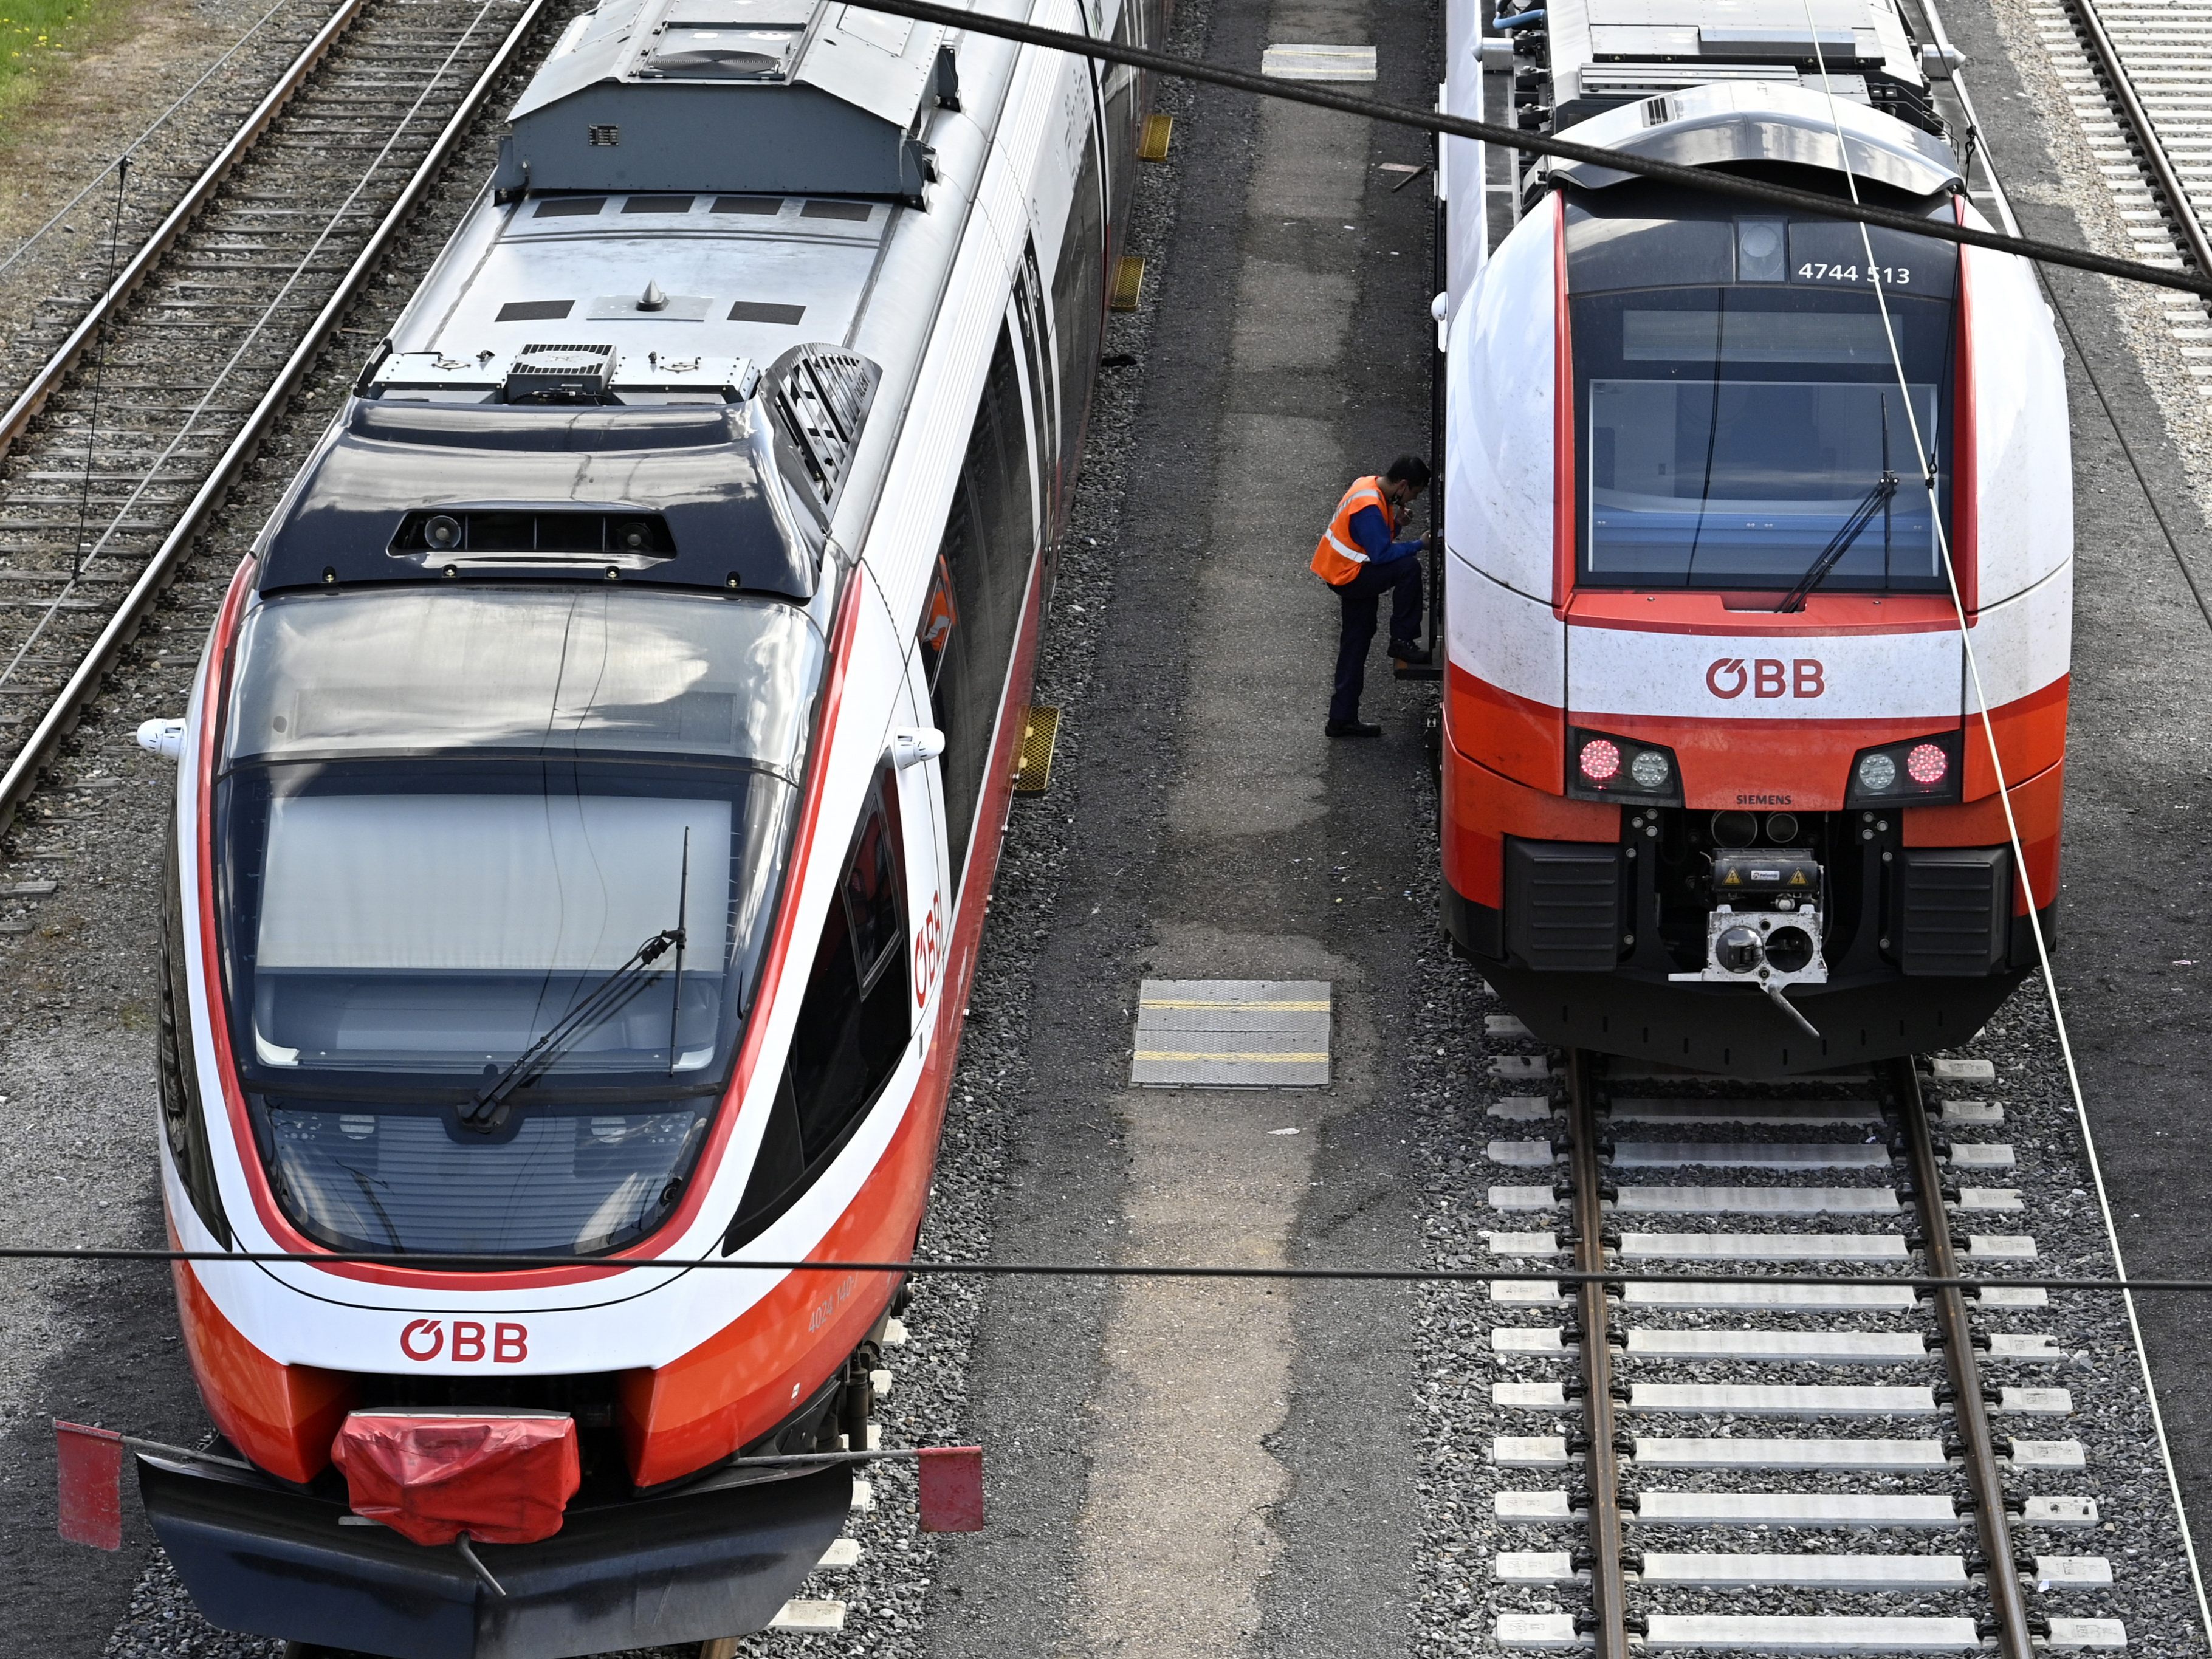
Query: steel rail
(127, 282)
(2144, 134)
(1984, 1480)
(1602, 1457)
(61, 717)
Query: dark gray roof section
(755, 96)
(713, 476)
(1758, 121)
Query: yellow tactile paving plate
(1233, 1034)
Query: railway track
(121, 451)
(1869, 1469)
(2139, 76)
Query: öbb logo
(424, 1339)
(1766, 677)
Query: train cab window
(1737, 406)
(854, 1023)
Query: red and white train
(585, 815)
(1716, 787)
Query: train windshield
(1739, 409)
(497, 871)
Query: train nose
(432, 1476)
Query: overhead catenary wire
(1458, 126)
(448, 1262)
(2019, 852)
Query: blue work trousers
(1361, 599)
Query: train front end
(1746, 529)
(470, 953)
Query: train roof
(781, 95)
(1734, 122)
(698, 206)
(1605, 53)
(680, 285)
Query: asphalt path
(1230, 1471)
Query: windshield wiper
(487, 1109)
(1874, 501)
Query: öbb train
(585, 814)
(1715, 790)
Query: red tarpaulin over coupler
(433, 1477)
(90, 1463)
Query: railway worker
(1360, 558)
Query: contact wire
(2011, 833)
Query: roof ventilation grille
(559, 375)
(821, 397)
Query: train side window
(940, 617)
(1079, 291)
(990, 538)
(854, 1023)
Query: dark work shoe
(1353, 729)
(1405, 651)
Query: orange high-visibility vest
(1339, 557)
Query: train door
(976, 606)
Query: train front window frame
(484, 869)
(1736, 402)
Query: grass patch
(39, 39)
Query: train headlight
(1738, 949)
(1919, 769)
(1602, 767)
(443, 531)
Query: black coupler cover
(708, 1562)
